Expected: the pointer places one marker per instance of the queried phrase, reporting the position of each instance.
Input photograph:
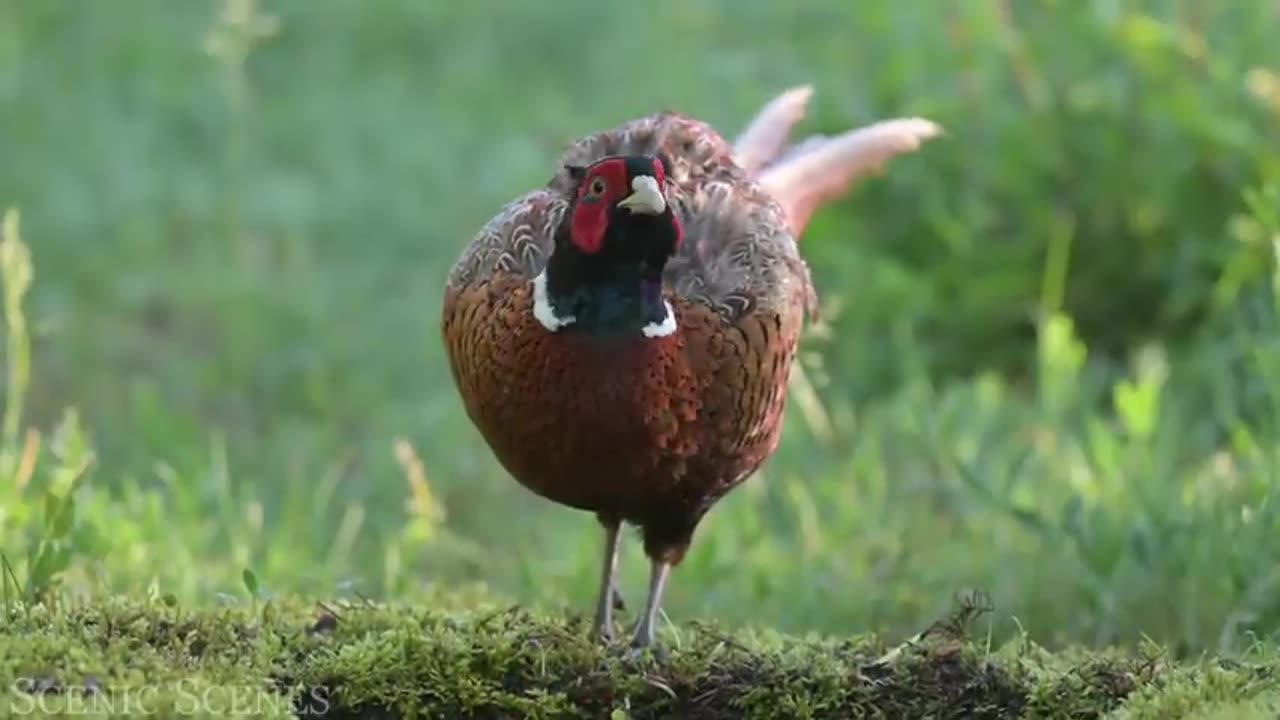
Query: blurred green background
(1049, 366)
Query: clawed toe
(634, 651)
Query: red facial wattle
(602, 185)
(589, 225)
(591, 215)
(660, 174)
(675, 223)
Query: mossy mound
(285, 659)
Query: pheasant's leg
(658, 572)
(603, 626)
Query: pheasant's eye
(596, 188)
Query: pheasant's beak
(646, 197)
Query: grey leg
(603, 626)
(657, 583)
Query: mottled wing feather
(516, 241)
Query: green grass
(365, 660)
(1047, 368)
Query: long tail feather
(819, 169)
(766, 137)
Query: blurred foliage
(1097, 150)
(1048, 366)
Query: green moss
(119, 655)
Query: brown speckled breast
(630, 427)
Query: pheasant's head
(620, 208)
(605, 272)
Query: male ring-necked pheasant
(622, 337)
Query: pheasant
(622, 337)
